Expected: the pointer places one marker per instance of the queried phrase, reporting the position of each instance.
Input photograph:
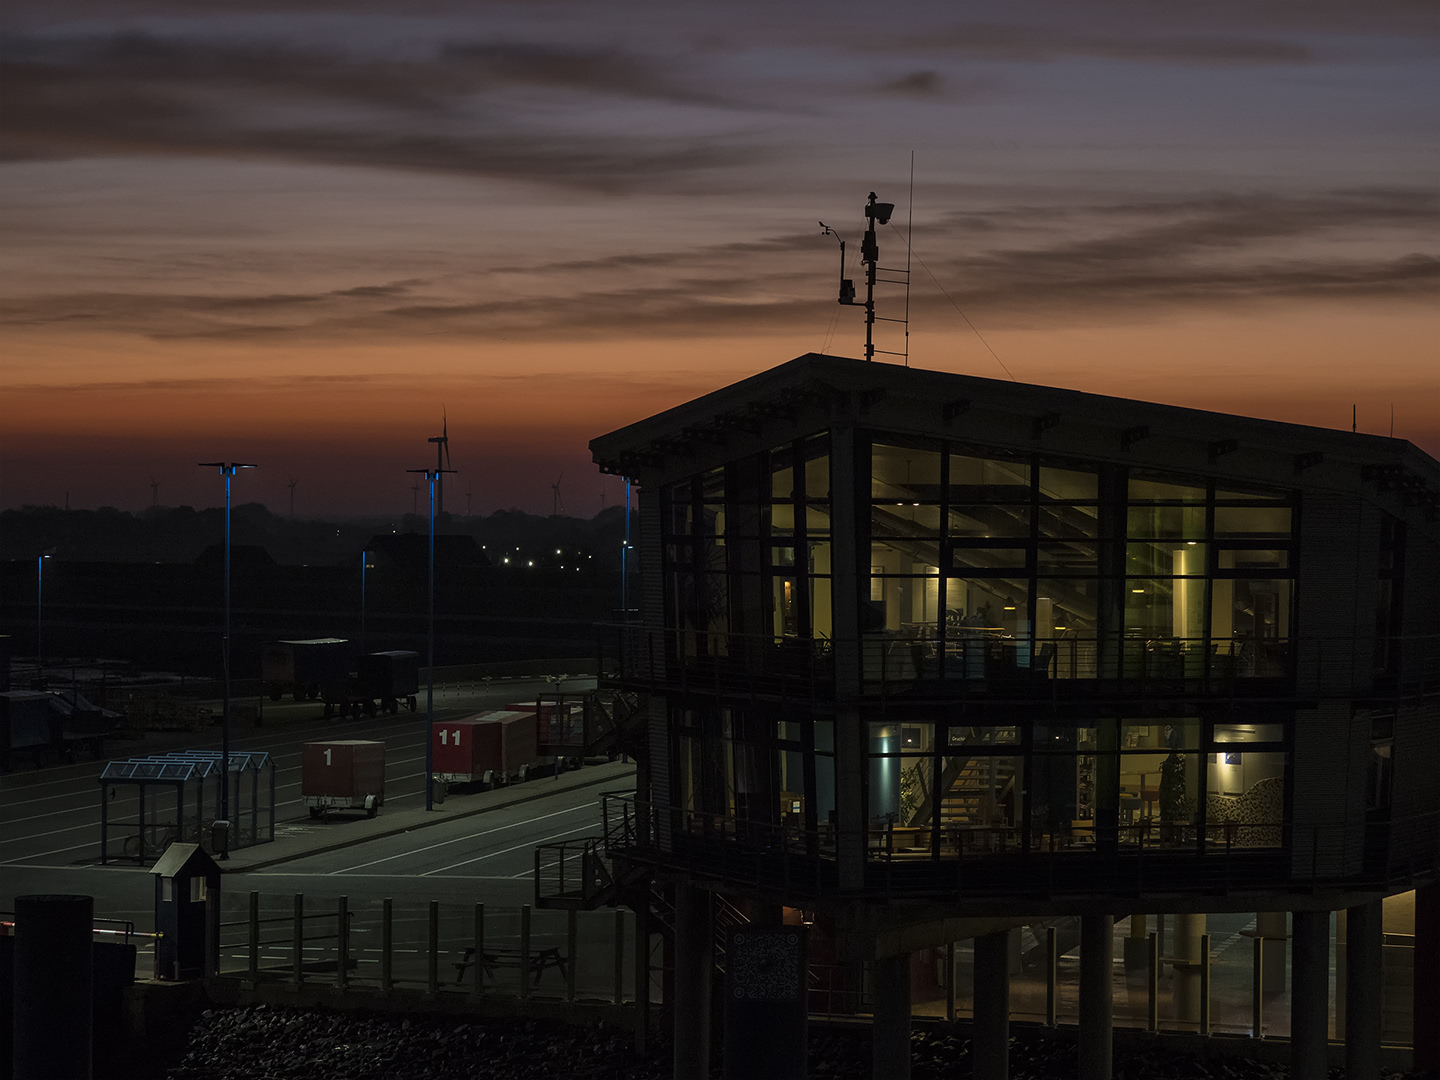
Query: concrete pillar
(1427, 991)
(1096, 1003)
(1137, 944)
(891, 1030)
(53, 975)
(990, 1050)
(1310, 1002)
(1186, 949)
(1272, 927)
(694, 973)
(1363, 990)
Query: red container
(558, 724)
(500, 742)
(343, 774)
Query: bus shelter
(176, 796)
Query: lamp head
(880, 212)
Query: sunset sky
(294, 233)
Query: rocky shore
(263, 1043)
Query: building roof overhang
(813, 393)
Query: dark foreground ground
(263, 1043)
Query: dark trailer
(390, 678)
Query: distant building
(409, 553)
(924, 652)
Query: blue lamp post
(40, 615)
(228, 471)
(431, 475)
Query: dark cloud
(1046, 41)
(144, 94)
(1069, 264)
(920, 84)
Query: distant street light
(40, 614)
(431, 475)
(227, 470)
(364, 556)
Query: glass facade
(989, 573)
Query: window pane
(786, 607)
(680, 519)
(1066, 558)
(713, 485)
(1252, 521)
(1065, 607)
(817, 520)
(817, 468)
(1254, 559)
(1140, 734)
(990, 521)
(1245, 805)
(1251, 733)
(1068, 485)
(782, 520)
(988, 558)
(1247, 609)
(1228, 496)
(1142, 490)
(1171, 522)
(782, 474)
(1167, 559)
(980, 803)
(908, 604)
(905, 519)
(986, 480)
(902, 472)
(679, 553)
(988, 605)
(782, 556)
(820, 558)
(1167, 608)
(1057, 520)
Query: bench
(493, 959)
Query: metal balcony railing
(898, 662)
(796, 861)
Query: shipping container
(312, 668)
(560, 724)
(492, 747)
(390, 678)
(343, 774)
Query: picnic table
(494, 959)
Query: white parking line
(585, 808)
(505, 851)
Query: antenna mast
(876, 213)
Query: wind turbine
(557, 504)
(442, 461)
(293, 482)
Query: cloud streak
(1106, 261)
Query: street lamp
(364, 555)
(431, 475)
(227, 470)
(40, 615)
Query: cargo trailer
(309, 669)
(29, 728)
(343, 774)
(559, 726)
(389, 679)
(495, 748)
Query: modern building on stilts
(923, 658)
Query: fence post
(342, 947)
(387, 945)
(572, 950)
(1204, 984)
(1152, 977)
(254, 938)
(1052, 961)
(432, 948)
(524, 951)
(297, 969)
(1257, 1020)
(478, 989)
(950, 981)
(619, 955)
